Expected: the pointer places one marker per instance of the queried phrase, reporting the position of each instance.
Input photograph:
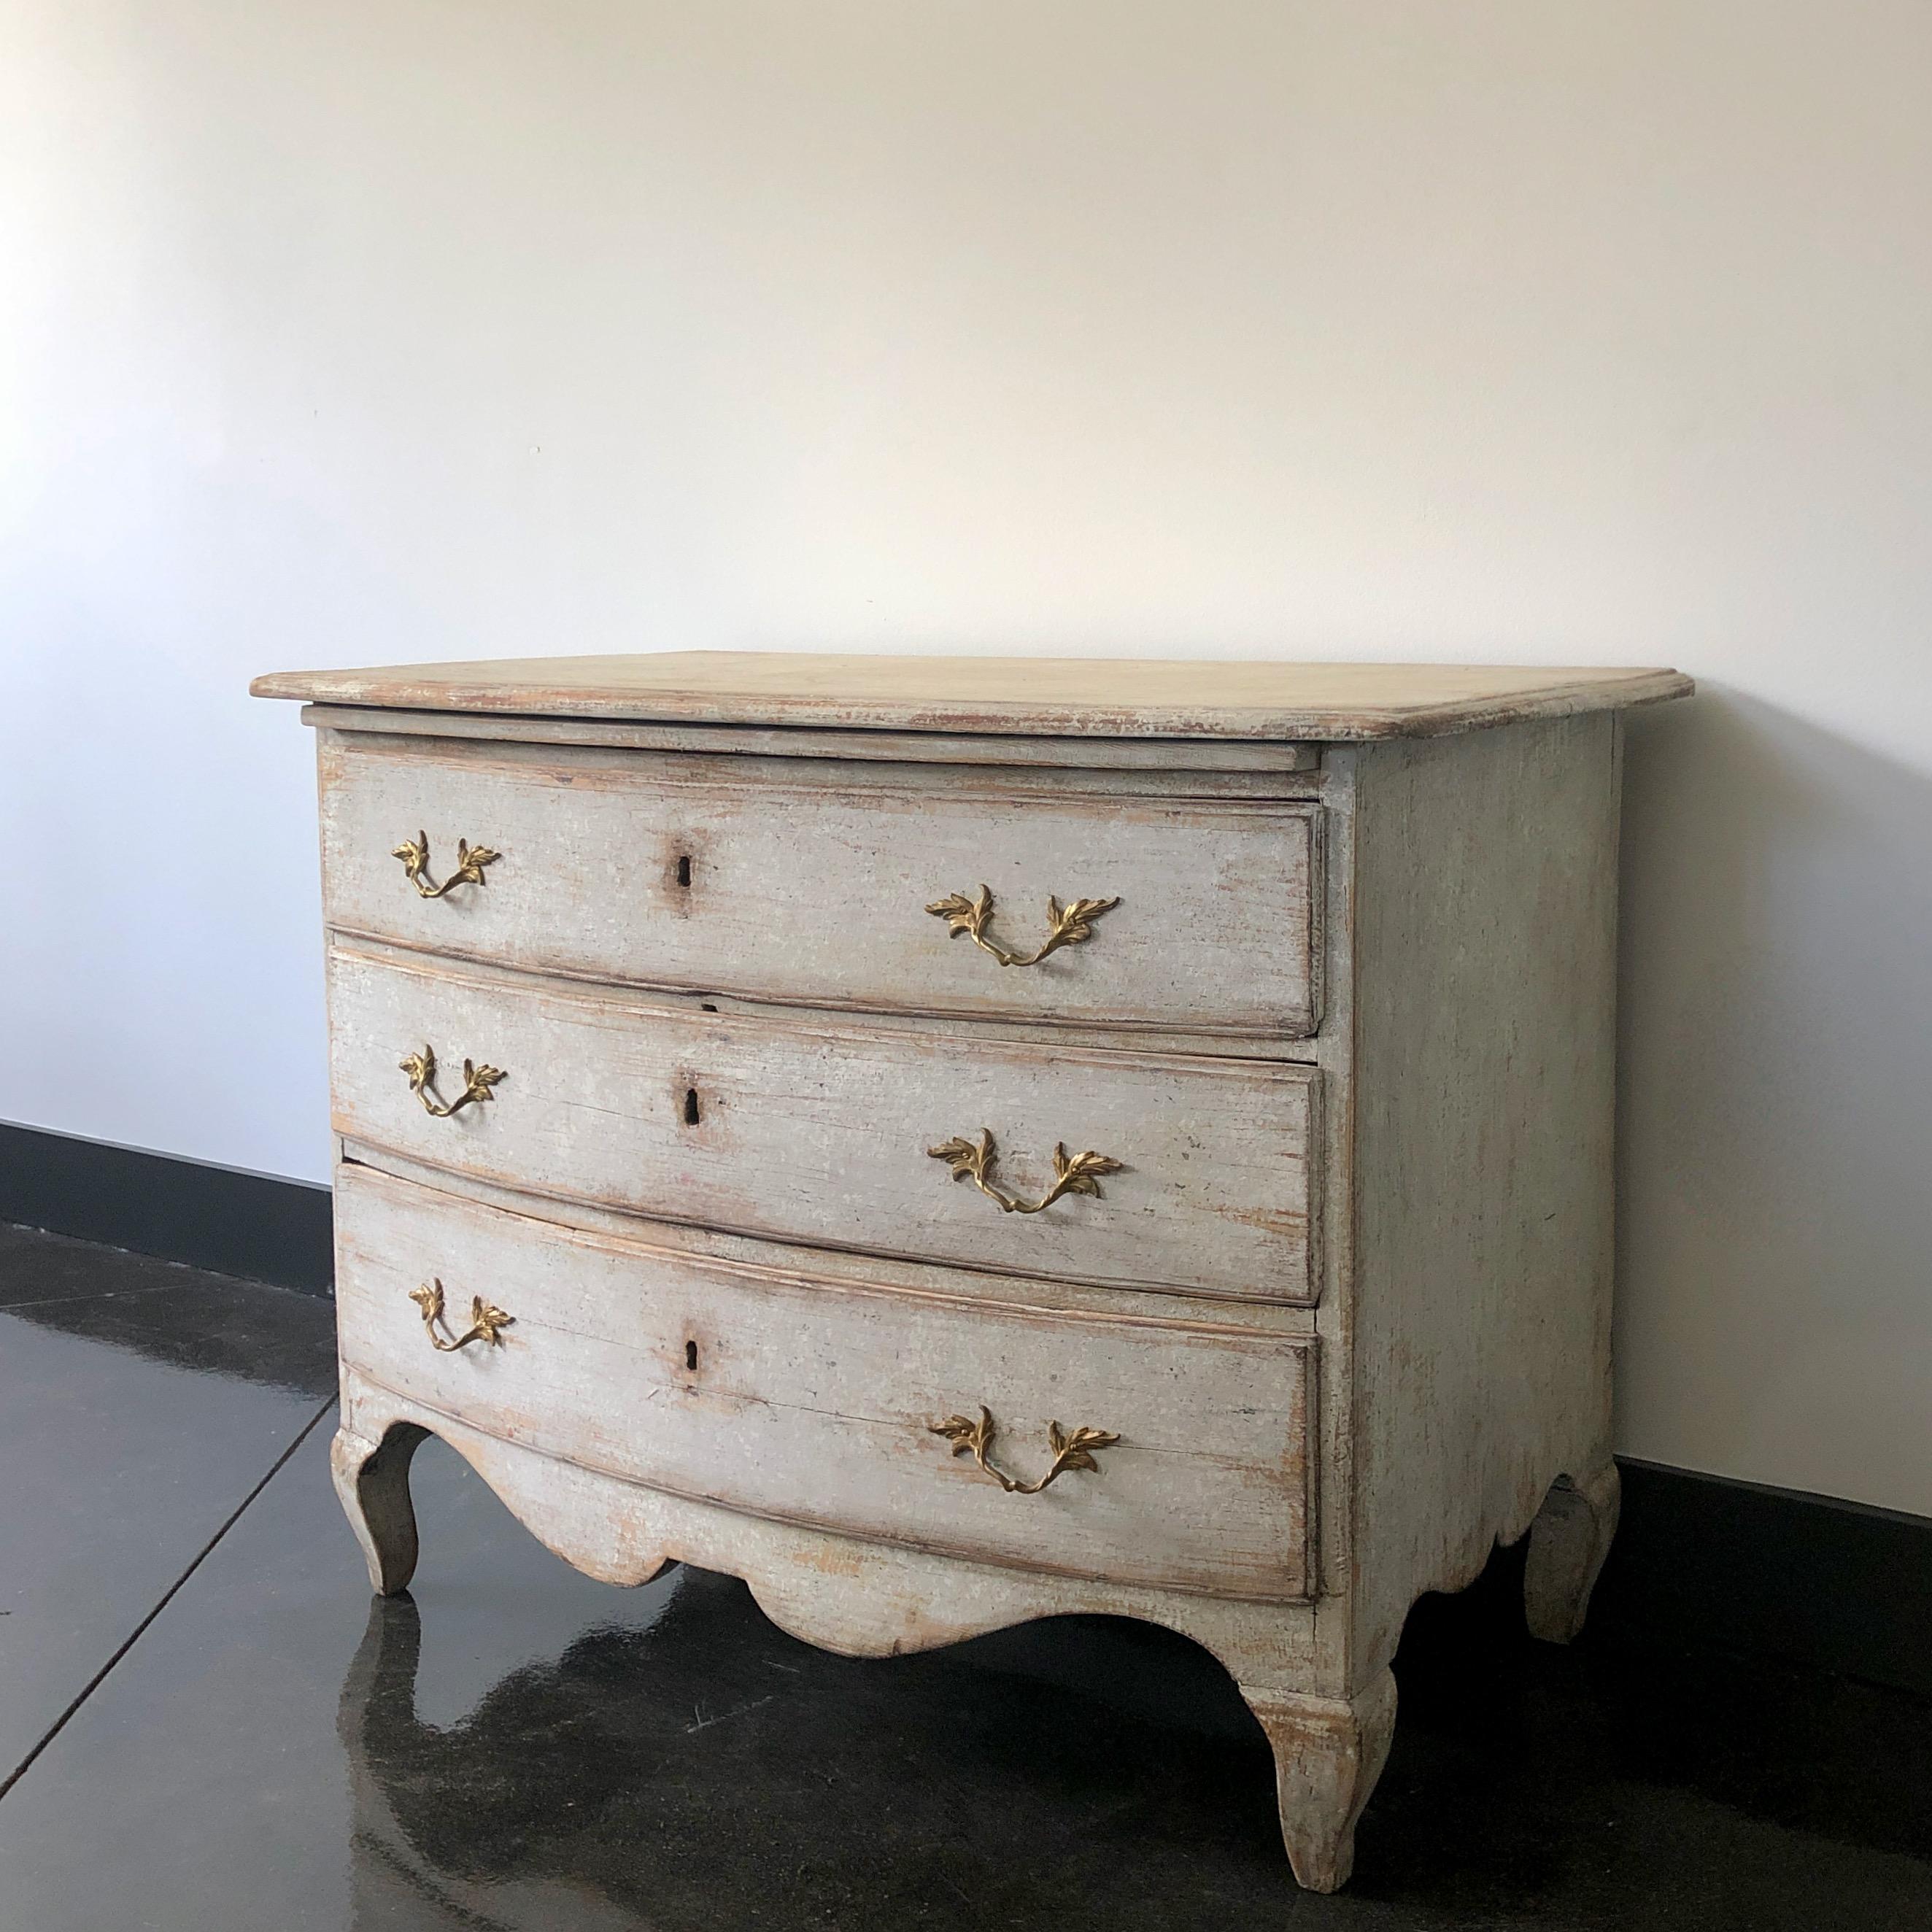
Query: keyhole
(690, 1355)
(684, 870)
(691, 1106)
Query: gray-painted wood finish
(1339, 1316)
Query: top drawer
(806, 885)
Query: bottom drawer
(814, 1401)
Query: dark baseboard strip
(220, 1218)
(1703, 1562)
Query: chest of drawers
(953, 1142)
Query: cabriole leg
(1328, 1752)
(1567, 1543)
(373, 1480)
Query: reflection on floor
(515, 1746)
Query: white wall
(332, 333)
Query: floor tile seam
(93, 1295)
(133, 1637)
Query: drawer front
(774, 879)
(822, 1132)
(816, 1403)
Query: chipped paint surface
(1343, 1300)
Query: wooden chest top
(1058, 697)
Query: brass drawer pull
(974, 1161)
(1072, 1450)
(470, 860)
(477, 1082)
(486, 1321)
(1067, 925)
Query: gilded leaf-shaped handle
(1073, 1449)
(487, 1320)
(1066, 925)
(470, 860)
(478, 1082)
(975, 1160)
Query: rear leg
(1567, 1543)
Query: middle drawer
(840, 1134)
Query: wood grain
(819, 1132)
(793, 1398)
(858, 1596)
(1061, 756)
(1055, 697)
(1479, 1301)
(809, 887)
(1116, 1300)
(1350, 1031)
(1328, 1752)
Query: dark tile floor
(518, 1747)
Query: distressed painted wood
(790, 1397)
(1328, 1752)
(840, 1265)
(858, 1596)
(372, 1481)
(1485, 977)
(1568, 1542)
(808, 884)
(1066, 697)
(820, 1131)
(1087, 756)
(1345, 1304)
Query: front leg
(372, 1481)
(1328, 1752)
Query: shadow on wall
(1774, 1115)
